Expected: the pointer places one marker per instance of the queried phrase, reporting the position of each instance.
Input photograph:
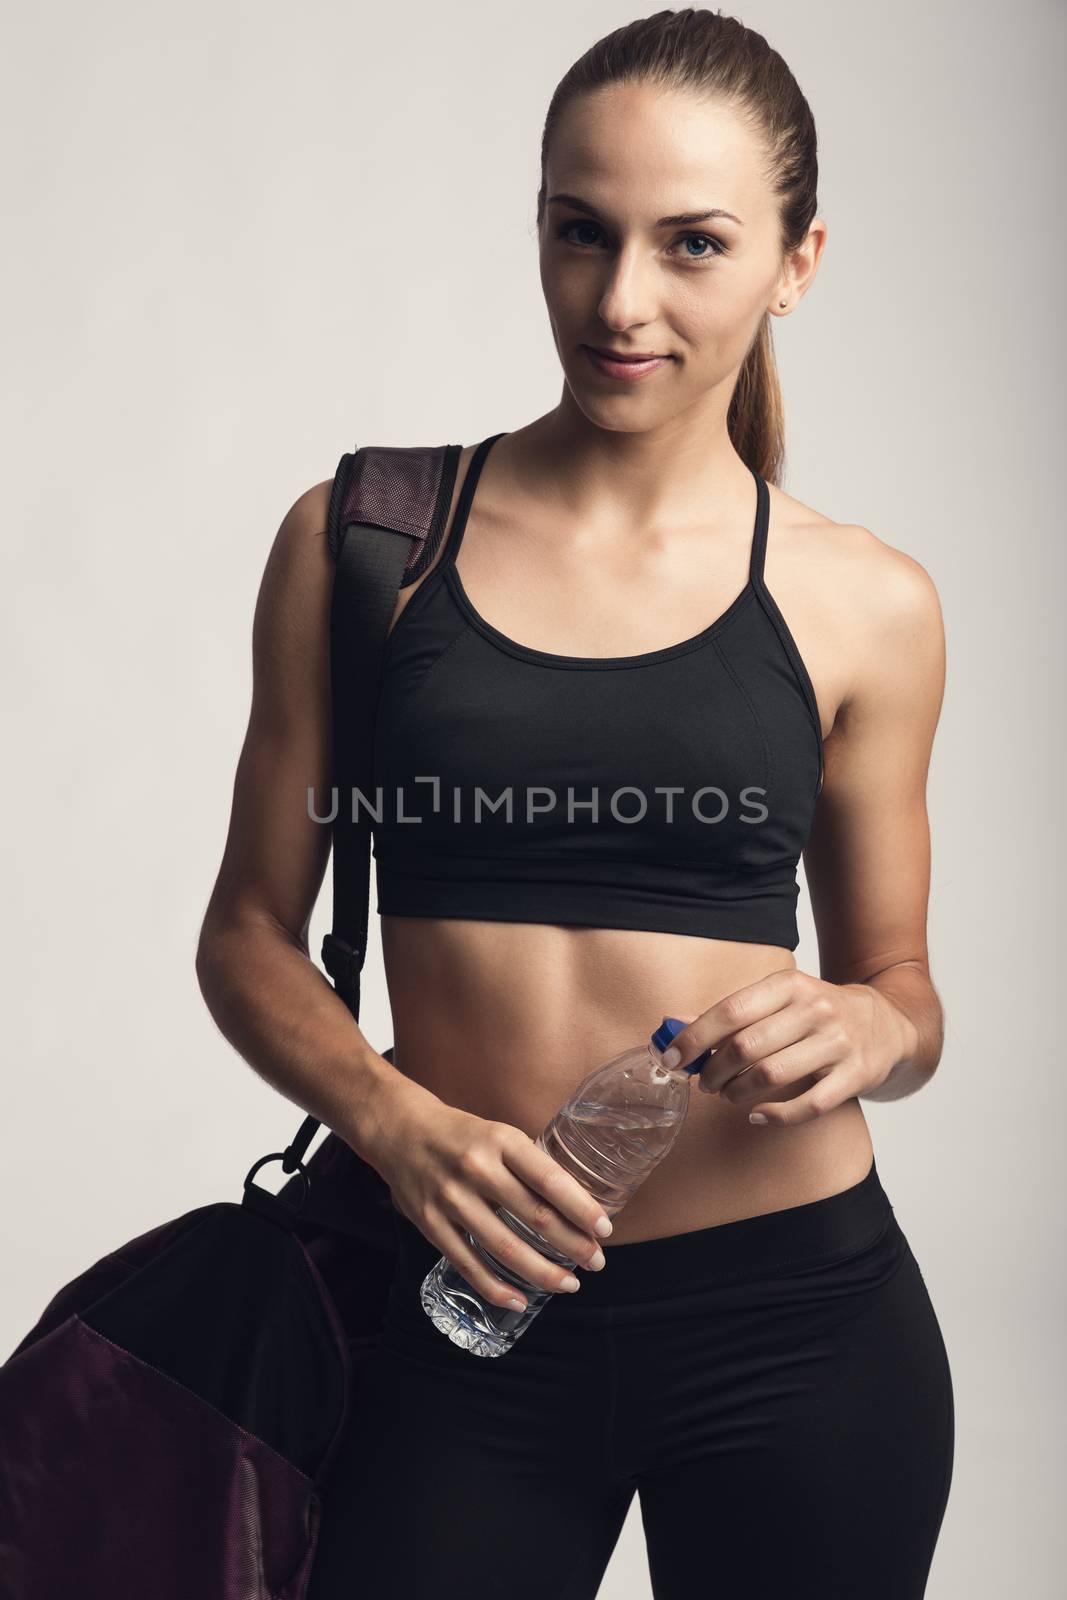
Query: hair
(719, 57)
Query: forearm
(917, 1033)
(285, 1019)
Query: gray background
(237, 233)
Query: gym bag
(168, 1426)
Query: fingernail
(597, 1261)
(570, 1283)
(517, 1305)
(756, 1116)
(604, 1226)
(672, 1056)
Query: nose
(627, 300)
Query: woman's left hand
(773, 1036)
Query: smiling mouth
(617, 355)
(621, 370)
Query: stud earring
(783, 304)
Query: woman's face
(616, 275)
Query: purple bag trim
(117, 1479)
(405, 488)
(241, 1507)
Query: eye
(715, 247)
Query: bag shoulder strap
(401, 490)
(387, 513)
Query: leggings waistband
(819, 1231)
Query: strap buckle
(343, 962)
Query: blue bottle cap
(665, 1033)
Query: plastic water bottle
(613, 1131)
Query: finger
(778, 1074)
(453, 1243)
(773, 1038)
(831, 1091)
(519, 1258)
(705, 1088)
(542, 1217)
(739, 1009)
(546, 1177)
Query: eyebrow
(683, 220)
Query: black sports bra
(671, 791)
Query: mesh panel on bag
(407, 488)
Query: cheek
(718, 327)
(568, 295)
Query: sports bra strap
(759, 534)
(470, 483)
(466, 496)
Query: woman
(758, 1358)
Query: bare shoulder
(859, 564)
(895, 592)
(301, 535)
(898, 624)
(873, 600)
(300, 552)
(290, 629)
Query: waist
(504, 1021)
(480, 1001)
(788, 1240)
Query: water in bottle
(612, 1132)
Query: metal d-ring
(301, 1170)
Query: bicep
(867, 862)
(276, 853)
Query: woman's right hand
(449, 1169)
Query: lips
(629, 368)
(619, 355)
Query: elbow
(224, 940)
(210, 962)
(234, 944)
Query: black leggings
(776, 1390)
